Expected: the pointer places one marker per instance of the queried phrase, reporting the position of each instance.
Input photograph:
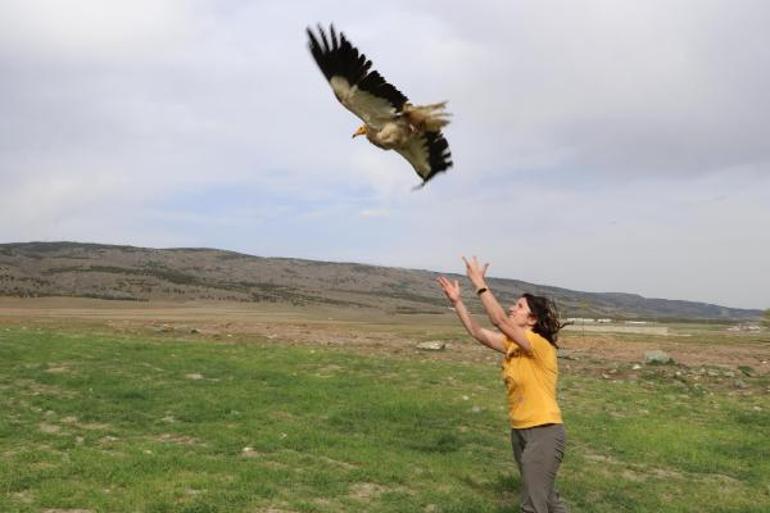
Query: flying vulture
(390, 121)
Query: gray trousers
(538, 452)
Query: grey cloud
(579, 112)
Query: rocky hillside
(141, 274)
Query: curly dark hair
(547, 323)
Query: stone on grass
(657, 357)
(433, 345)
(249, 452)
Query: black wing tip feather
(439, 156)
(337, 57)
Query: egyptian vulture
(390, 121)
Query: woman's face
(520, 314)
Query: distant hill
(131, 273)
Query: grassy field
(94, 421)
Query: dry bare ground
(370, 331)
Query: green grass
(128, 423)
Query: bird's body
(391, 136)
(390, 121)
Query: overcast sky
(598, 145)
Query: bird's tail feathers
(430, 118)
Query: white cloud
(91, 28)
(375, 213)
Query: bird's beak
(361, 131)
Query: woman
(527, 338)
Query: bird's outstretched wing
(429, 154)
(363, 92)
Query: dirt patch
(34, 388)
(25, 497)
(58, 369)
(90, 426)
(327, 504)
(337, 463)
(49, 429)
(328, 371)
(601, 458)
(57, 510)
(606, 347)
(640, 473)
(174, 438)
(366, 491)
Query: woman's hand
(450, 288)
(476, 272)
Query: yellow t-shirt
(531, 383)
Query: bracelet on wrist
(481, 291)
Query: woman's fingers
(472, 266)
(450, 288)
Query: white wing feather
(373, 110)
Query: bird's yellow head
(361, 131)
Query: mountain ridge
(78, 269)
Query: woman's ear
(531, 320)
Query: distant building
(581, 320)
(745, 327)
